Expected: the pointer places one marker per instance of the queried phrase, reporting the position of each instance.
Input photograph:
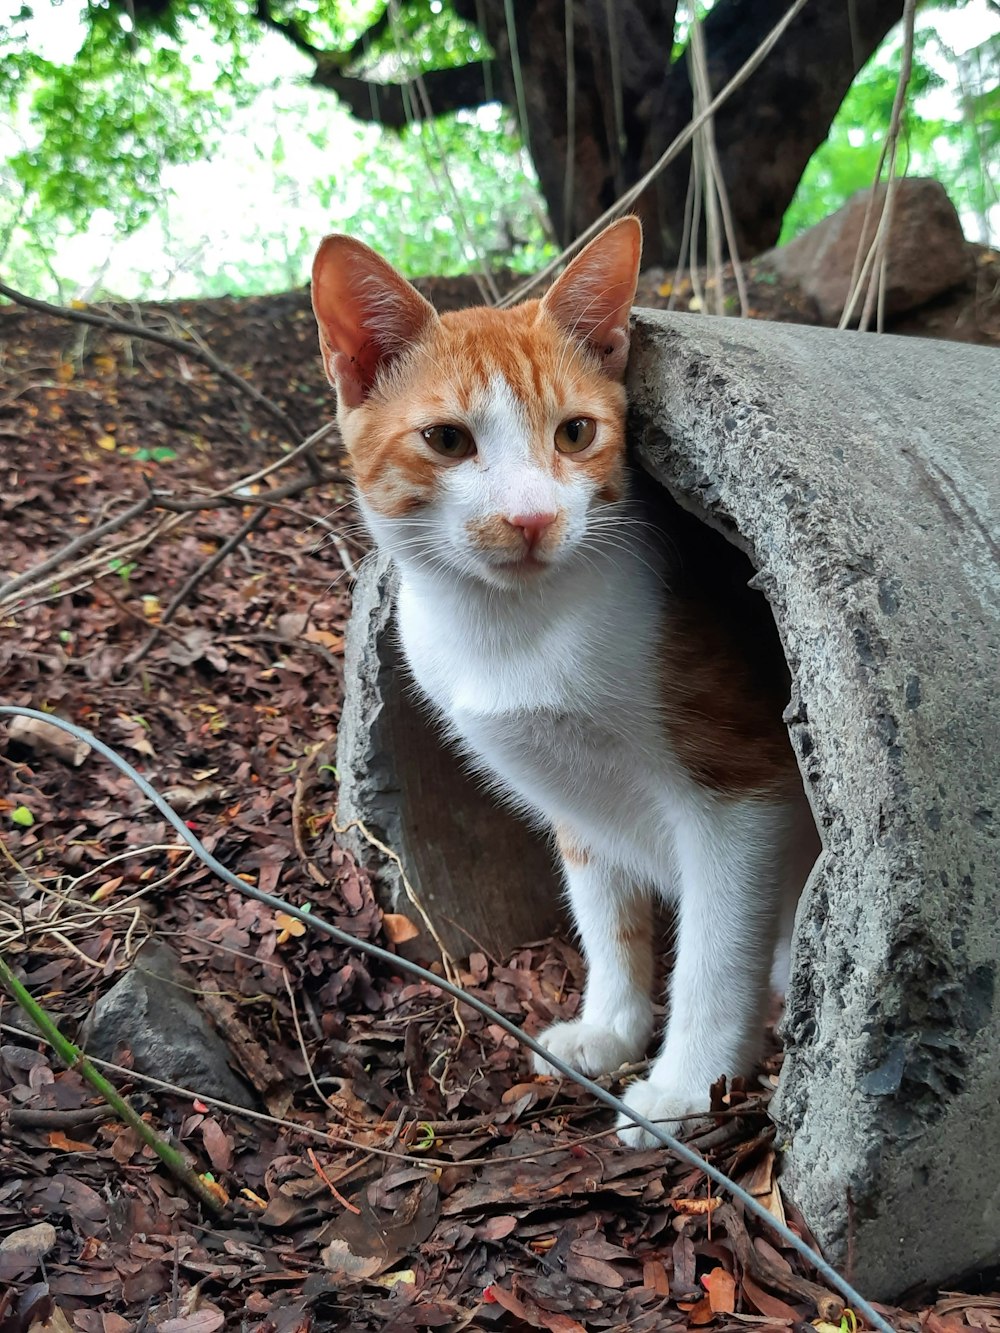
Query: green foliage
(959, 152)
(95, 139)
(446, 197)
(93, 135)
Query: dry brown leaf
(107, 889)
(333, 642)
(976, 1317)
(338, 1257)
(937, 1323)
(695, 1207)
(57, 1322)
(699, 1313)
(654, 1276)
(30, 1243)
(205, 1320)
(765, 1303)
(288, 926)
(398, 927)
(217, 1145)
(58, 1140)
(721, 1288)
(519, 1090)
(584, 1268)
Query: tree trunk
(765, 133)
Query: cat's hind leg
(731, 857)
(614, 916)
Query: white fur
(551, 684)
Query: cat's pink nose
(533, 526)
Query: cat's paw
(660, 1104)
(590, 1049)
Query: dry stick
(706, 165)
(569, 181)
(700, 62)
(698, 176)
(482, 277)
(680, 142)
(878, 250)
(307, 1130)
(898, 106)
(830, 1308)
(73, 1058)
(190, 584)
(97, 563)
(199, 353)
(77, 544)
(685, 238)
(34, 578)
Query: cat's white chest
(556, 702)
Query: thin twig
(73, 1058)
(863, 277)
(191, 583)
(679, 143)
(199, 353)
(68, 551)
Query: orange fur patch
(571, 849)
(440, 378)
(496, 534)
(724, 681)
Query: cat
(601, 682)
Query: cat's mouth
(512, 570)
(527, 562)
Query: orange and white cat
(582, 667)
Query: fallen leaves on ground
(396, 1175)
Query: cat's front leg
(731, 861)
(615, 921)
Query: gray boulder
(927, 252)
(153, 1011)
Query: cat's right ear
(367, 314)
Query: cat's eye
(450, 441)
(573, 436)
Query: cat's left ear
(592, 298)
(367, 315)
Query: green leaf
(23, 817)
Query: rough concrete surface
(861, 474)
(153, 1010)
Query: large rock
(153, 1012)
(860, 474)
(927, 252)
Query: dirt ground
(398, 1170)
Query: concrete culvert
(859, 474)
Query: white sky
(227, 208)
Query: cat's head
(483, 441)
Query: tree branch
(288, 29)
(370, 34)
(447, 89)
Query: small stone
(30, 1244)
(153, 1011)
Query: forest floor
(400, 1172)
